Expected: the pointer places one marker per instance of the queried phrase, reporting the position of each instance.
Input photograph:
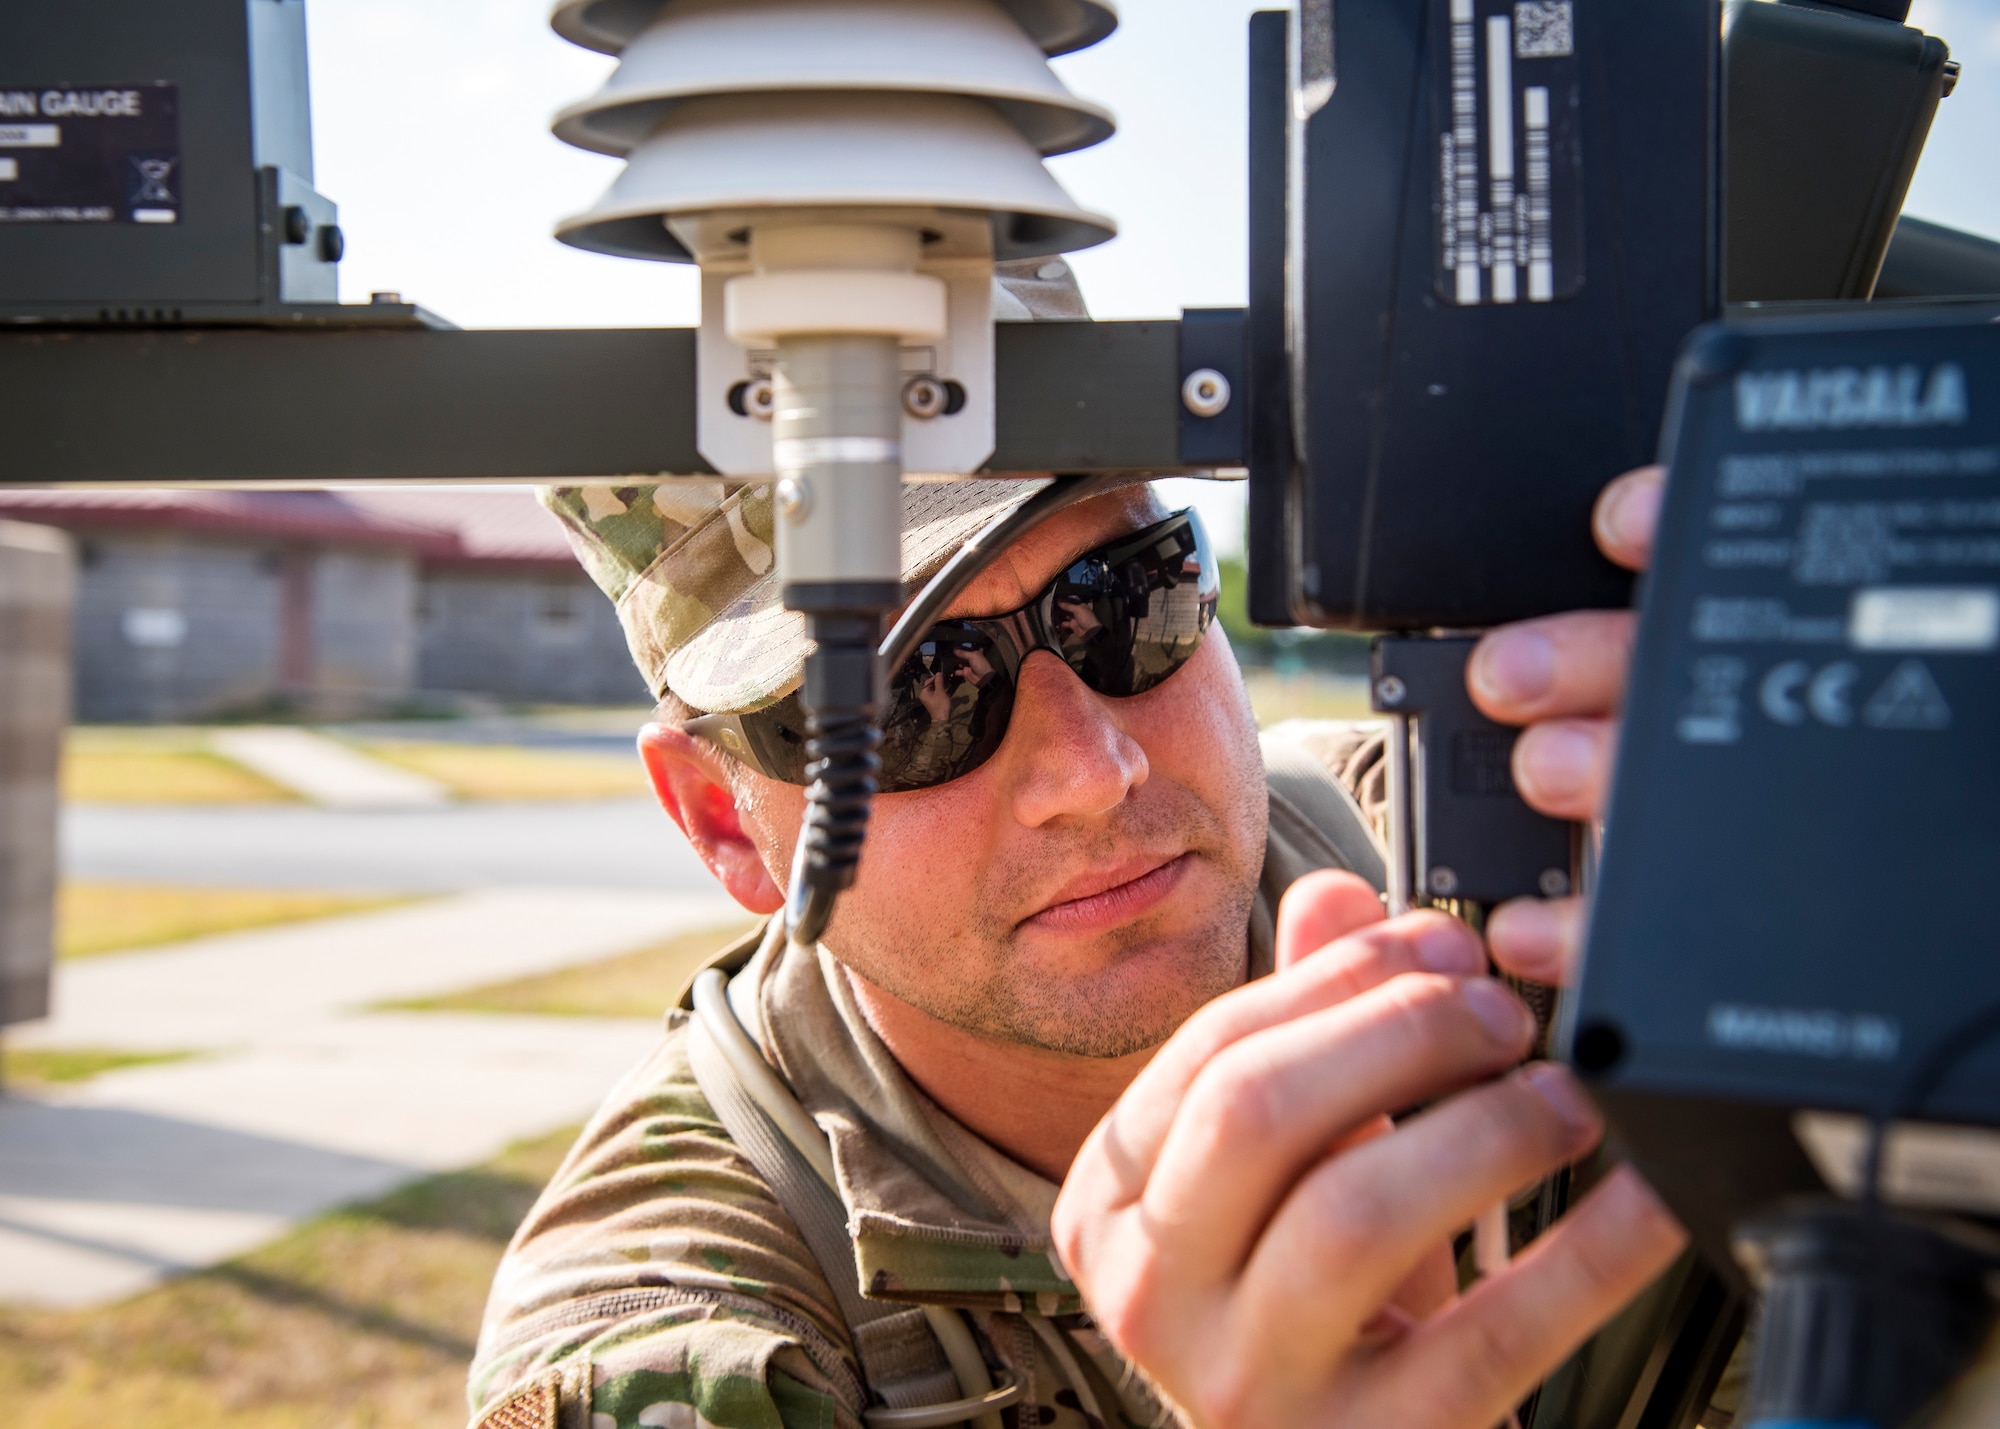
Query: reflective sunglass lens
(947, 712)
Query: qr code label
(1544, 29)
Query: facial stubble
(999, 989)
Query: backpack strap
(919, 1360)
(1324, 806)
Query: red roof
(507, 524)
(475, 526)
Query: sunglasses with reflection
(1123, 617)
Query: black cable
(1944, 1055)
(843, 675)
(842, 735)
(1871, 1314)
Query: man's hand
(1249, 1226)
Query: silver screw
(1444, 881)
(1952, 70)
(1390, 691)
(1554, 883)
(794, 498)
(385, 296)
(760, 398)
(923, 397)
(1205, 393)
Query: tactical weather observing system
(1500, 251)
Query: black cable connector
(842, 695)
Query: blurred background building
(202, 604)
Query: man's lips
(1104, 898)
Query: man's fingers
(1627, 514)
(1137, 1127)
(1321, 907)
(1537, 939)
(1355, 1228)
(1563, 767)
(1483, 1354)
(1559, 665)
(1268, 1107)
(1572, 664)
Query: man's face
(1089, 886)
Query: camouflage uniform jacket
(658, 1282)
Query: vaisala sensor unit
(1788, 930)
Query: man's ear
(690, 788)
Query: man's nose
(1065, 754)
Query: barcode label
(1509, 175)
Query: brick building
(200, 603)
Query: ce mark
(1791, 691)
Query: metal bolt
(1554, 883)
(794, 498)
(386, 296)
(1205, 393)
(924, 397)
(332, 244)
(1952, 69)
(1390, 691)
(755, 398)
(1444, 881)
(298, 225)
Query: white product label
(30, 136)
(1925, 618)
(1940, 1167)
(1509, 185)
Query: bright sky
(431, 127)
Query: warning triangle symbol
(1908, 699)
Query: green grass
(172, 764)
(94, 918)
(501, 771)
(1306, 695)
(635, 984)
(49, 1066)
(361, 1319)
(157, 765)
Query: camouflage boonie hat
(690, 564)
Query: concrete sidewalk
(325, 770)
(243, 988)
(574, 843)
(110, 1186)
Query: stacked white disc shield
(739, 118)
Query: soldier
(826, 1198)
